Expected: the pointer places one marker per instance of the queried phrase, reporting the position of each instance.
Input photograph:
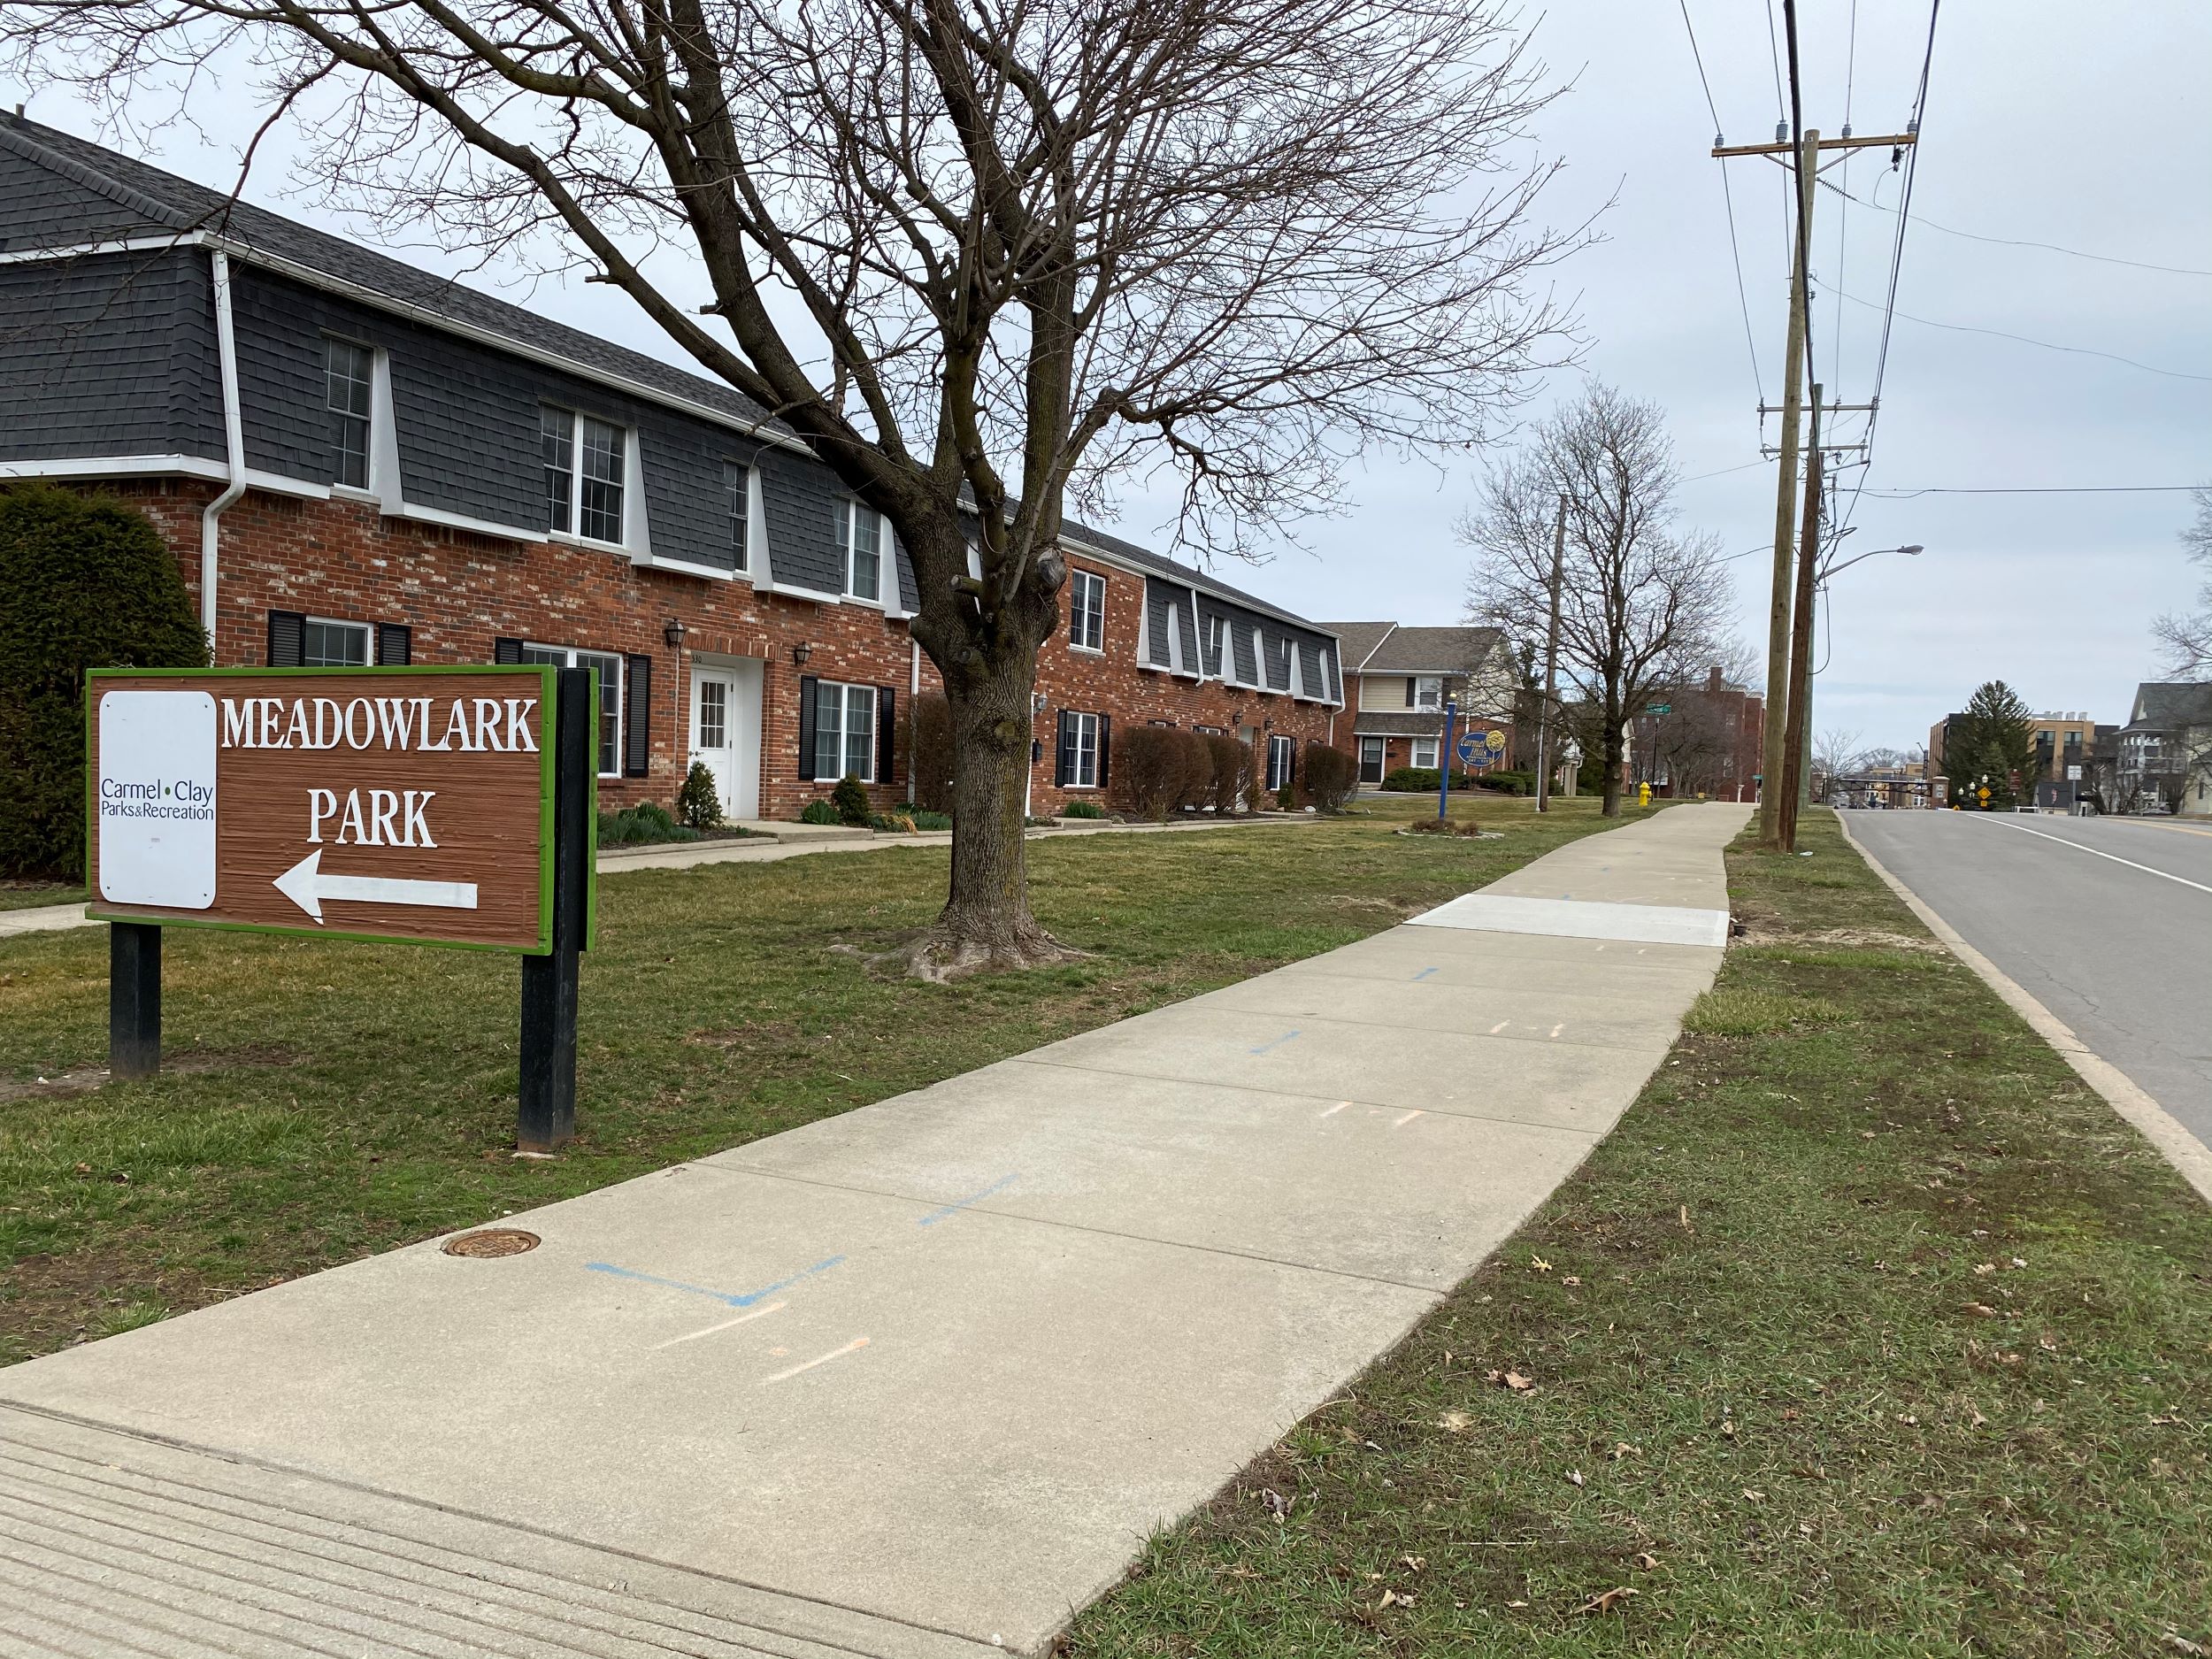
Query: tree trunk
(987, 922)
(1615, 758)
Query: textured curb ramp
(114, 1544)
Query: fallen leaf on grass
(1574, 1477)
(1647, 1561)
(1983, 1269)
(1728, 1428)
(1977, 1309)
(1540, 1263)
(1455, 1421)
(2182, 1644)
(1571, 1279)
(1414, 1564)
(1622, 1448)
(1512, 1379)
(1607, 1600)
(1393, 1598)
(1756, 1497)
(1278, 1505)
(1687, 1228)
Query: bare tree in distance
(1037, 249)
(2187, 639)
(1641, 605)
(1835, 755)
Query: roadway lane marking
(2115, 857)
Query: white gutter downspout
(234, 449)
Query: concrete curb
(2188, 1156)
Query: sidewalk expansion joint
(978, 1208)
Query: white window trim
(621, 691)
(1413, 751)
(636, 543)
(1078, 717)
(365, 630)
(1075, 611)
(845, 688)
(887, 577)
(1277, 743)
(1421, 682)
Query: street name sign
(395, 803)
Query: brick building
(1399, 679)
(359, 463)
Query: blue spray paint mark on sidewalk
(1423, 975)
(738, 1298)
(1266, 1047)
(959, 1204)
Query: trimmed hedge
(1422, 780)
(1509, 782)
(1234, 775)
(85, 583)
(1163, 769)
(1330, 775)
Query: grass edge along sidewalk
(322, 1101)
(1870, 1329)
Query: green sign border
(548, 749)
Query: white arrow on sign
(306, 885)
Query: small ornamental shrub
(1509, 782)
(1082, 809)
(697, 804)
(1331, 777)
(891, 823)
(1230, 784)
(85, 583)
(1287, 799)
(926, 820)
(635, 826)
(929, 743)
(819, 812)
(850, 800)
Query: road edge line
(2188, 1156)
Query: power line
(1774, 57)
(2009, 241)
(1728, 199)
(2086, 351)
(2035, 489)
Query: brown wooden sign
(402, 803)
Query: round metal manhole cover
(491, 1241)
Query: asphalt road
(2107, 922)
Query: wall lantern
(800, 653)
(674, 633)
(1268, 725)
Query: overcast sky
(2089, 129)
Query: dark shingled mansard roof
(154, 203)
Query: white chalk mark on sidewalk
(757, 1313)
(853, 1347)
(1556, 1030)
(1408, 1119)
(1338, 1107)
(1500, 1027)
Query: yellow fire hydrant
(1643, 794)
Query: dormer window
(860, 540)
(348, 372)
(585, 463)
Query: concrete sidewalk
(915, 1381)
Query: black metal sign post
(546, 1119)
(133, 1000)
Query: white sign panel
(155, 798)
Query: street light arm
(1910, 550)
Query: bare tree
(2188, 640)
(986, 256)
(1642, 607)
(1835, 755)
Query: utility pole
(1797, 719)
(1551, 661)
(1771, 833)
(1803, 154)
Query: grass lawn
(326, 1099)
(1868, 1331)
(23, 896)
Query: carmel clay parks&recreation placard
(401, 804)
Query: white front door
(725, 732)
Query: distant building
(1700, 740)
(2164, 763)
(1397, 681)
(2064, 744)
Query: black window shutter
(1290, 760)
(394, 644)
(506, 650)
(1105, 749)
(886, 733)
(1410, 684)
(287, 639)
(806, 727)
(637, 711)
(1064, 752)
